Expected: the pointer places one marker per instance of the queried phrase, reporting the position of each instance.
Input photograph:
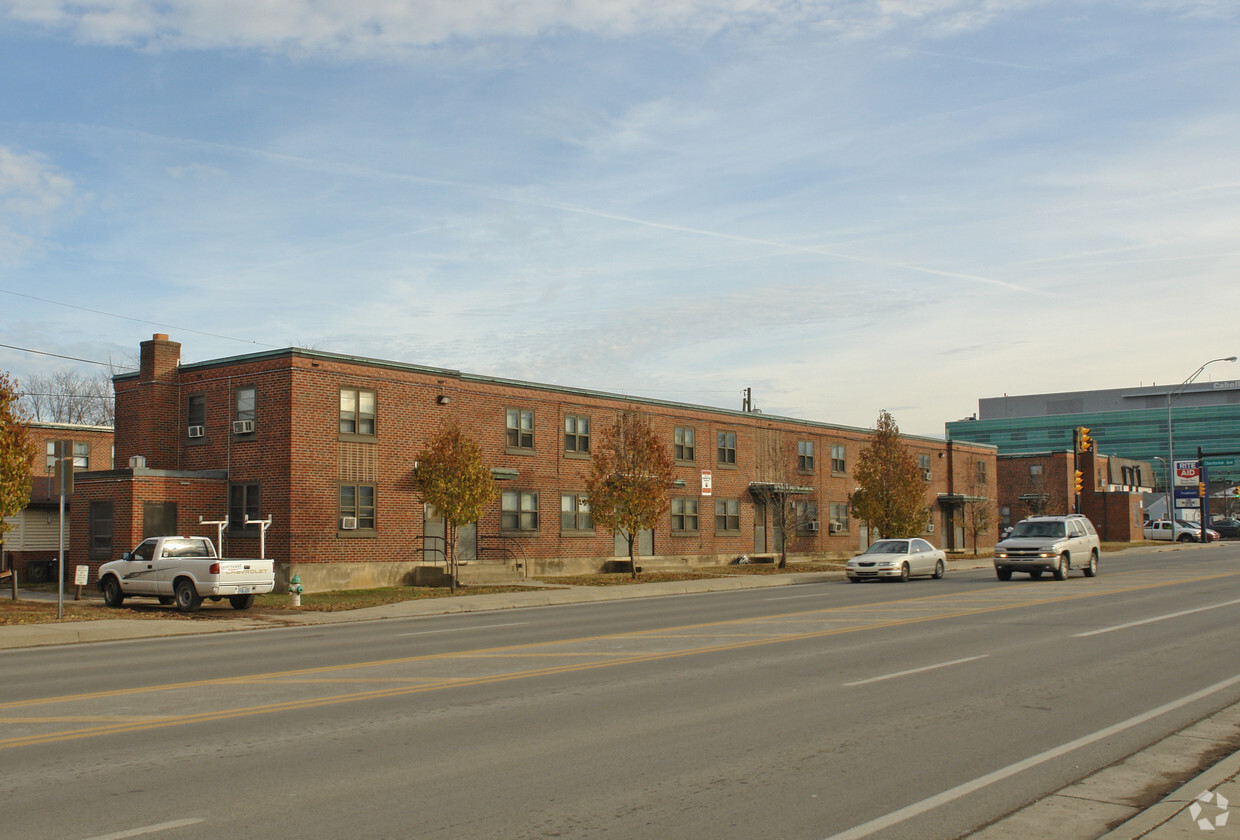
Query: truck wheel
(241, 602)
(1061, 571)
(112, 595)
(1184, 538)
(167, 600)
(1092, 568)
(188, 599)
(1003, 574)
(1035, 574)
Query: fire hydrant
(295, 589)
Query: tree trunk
(633, 554)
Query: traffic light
(1083, 441)
(1235, 492)
(1201, 489)
(1079, 481)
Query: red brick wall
(299, 458)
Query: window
(243, 502)
(357, 507)
(807, 517)
(245, 398)
(576, 433)
(520, 429)
(727, 447)
(839, 517)
(805, 455)
(100, 533)
(837, 458)
(683, 448)
(1035, 470)
(923, 461)
(518, 510)
(357, 412)
(727, 516)
(196, 416)
(684, 515)
(81, 455)
(981, 472)
(575, 513)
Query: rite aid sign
(1187, 472)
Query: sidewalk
(1083, 811)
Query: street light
(1170, 444)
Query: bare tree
(979, 513)
(68, 396)
(787, 505)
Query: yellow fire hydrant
(295, 589)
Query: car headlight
(1002, 555)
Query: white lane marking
(962, 790)
(915, 671)
(463, 629)
(150, 829)
(1155, 618)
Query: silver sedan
(897, 559)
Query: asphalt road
(920, 710)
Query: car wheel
(1003, 574)
(1092, 568)
(241, 602)
(188, 599)
(1061, 571)
(904, 573)
(112, 594)
(167, 600)
(938, 570)
(854, 580)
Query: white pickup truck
(184, 570)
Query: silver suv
(1055, 544)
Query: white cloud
(32, 191)
(361, 26)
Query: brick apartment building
(324, 445)
(33, 544)
(1111, 495)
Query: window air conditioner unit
(925, 474)
(930, 528)
(836, 528)
(243, 427)
(348, 523)
(195, 431)
(812, 527)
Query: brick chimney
(148, 411)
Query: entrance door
(759, 528)
(434, 538)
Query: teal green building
(1142, 424)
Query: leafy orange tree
(451, 478)
(891, 493)
(630, 477)
(16, 457)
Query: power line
(127, 318)
(58, 355)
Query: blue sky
(847, 205)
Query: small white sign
(81, 575)
(705, 482)
(1186, 473)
